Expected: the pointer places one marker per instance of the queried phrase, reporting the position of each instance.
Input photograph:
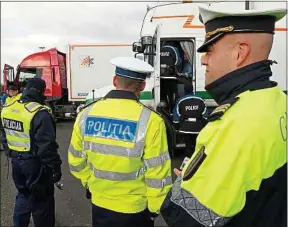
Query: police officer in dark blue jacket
(30, 140)
(189, 115)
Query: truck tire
(170, 132)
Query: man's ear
(115, 81)
(143, 85)
(243, 52)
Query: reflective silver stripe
(141, 130)
(159, 183)
(111, 149)
(83, 118)
(157, 161)
(19, 144)
(74, 152)
(17, 134)
(79, 167)
(191, 120)
(116, 176)
(136, 151)
(30, 106)
(194, 208)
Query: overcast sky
(25, 26)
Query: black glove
(151, 215)
(88, 193)
(56, 175)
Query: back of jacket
(189, 112)
(125, 145)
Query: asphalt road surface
(72, 207)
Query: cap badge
(218, 30)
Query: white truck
(178, 24)
(89, 68)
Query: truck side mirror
(137, 47)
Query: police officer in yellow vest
(29, 138)
(13, 94)
(238, 173)
(119, 151)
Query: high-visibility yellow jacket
(9, 100)
(119, 150)
(16, 120)
(236, 166)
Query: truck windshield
(26, 74)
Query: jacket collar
(251, 77)
(120, 94)
(32, 96)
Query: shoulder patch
(32, 106)
(220, 110)
(195, 164)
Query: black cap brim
(204, 47)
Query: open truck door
(159, 106)
(8, 75)
(157, 67)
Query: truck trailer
(69, 77)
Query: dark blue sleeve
(176, 114)
(44, 139)
(3, 138)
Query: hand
(153, 216)
(56, 176)
(88, 193)
(177, 172)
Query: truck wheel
(170, 131)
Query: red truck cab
(49, 65)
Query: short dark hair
(132, 85)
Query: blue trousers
(35, 194)
(102, 217)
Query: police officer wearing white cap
(119, 152)
(238, 174)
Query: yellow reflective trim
(18, 146)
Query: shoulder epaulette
(221, 110)
(32, 106)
